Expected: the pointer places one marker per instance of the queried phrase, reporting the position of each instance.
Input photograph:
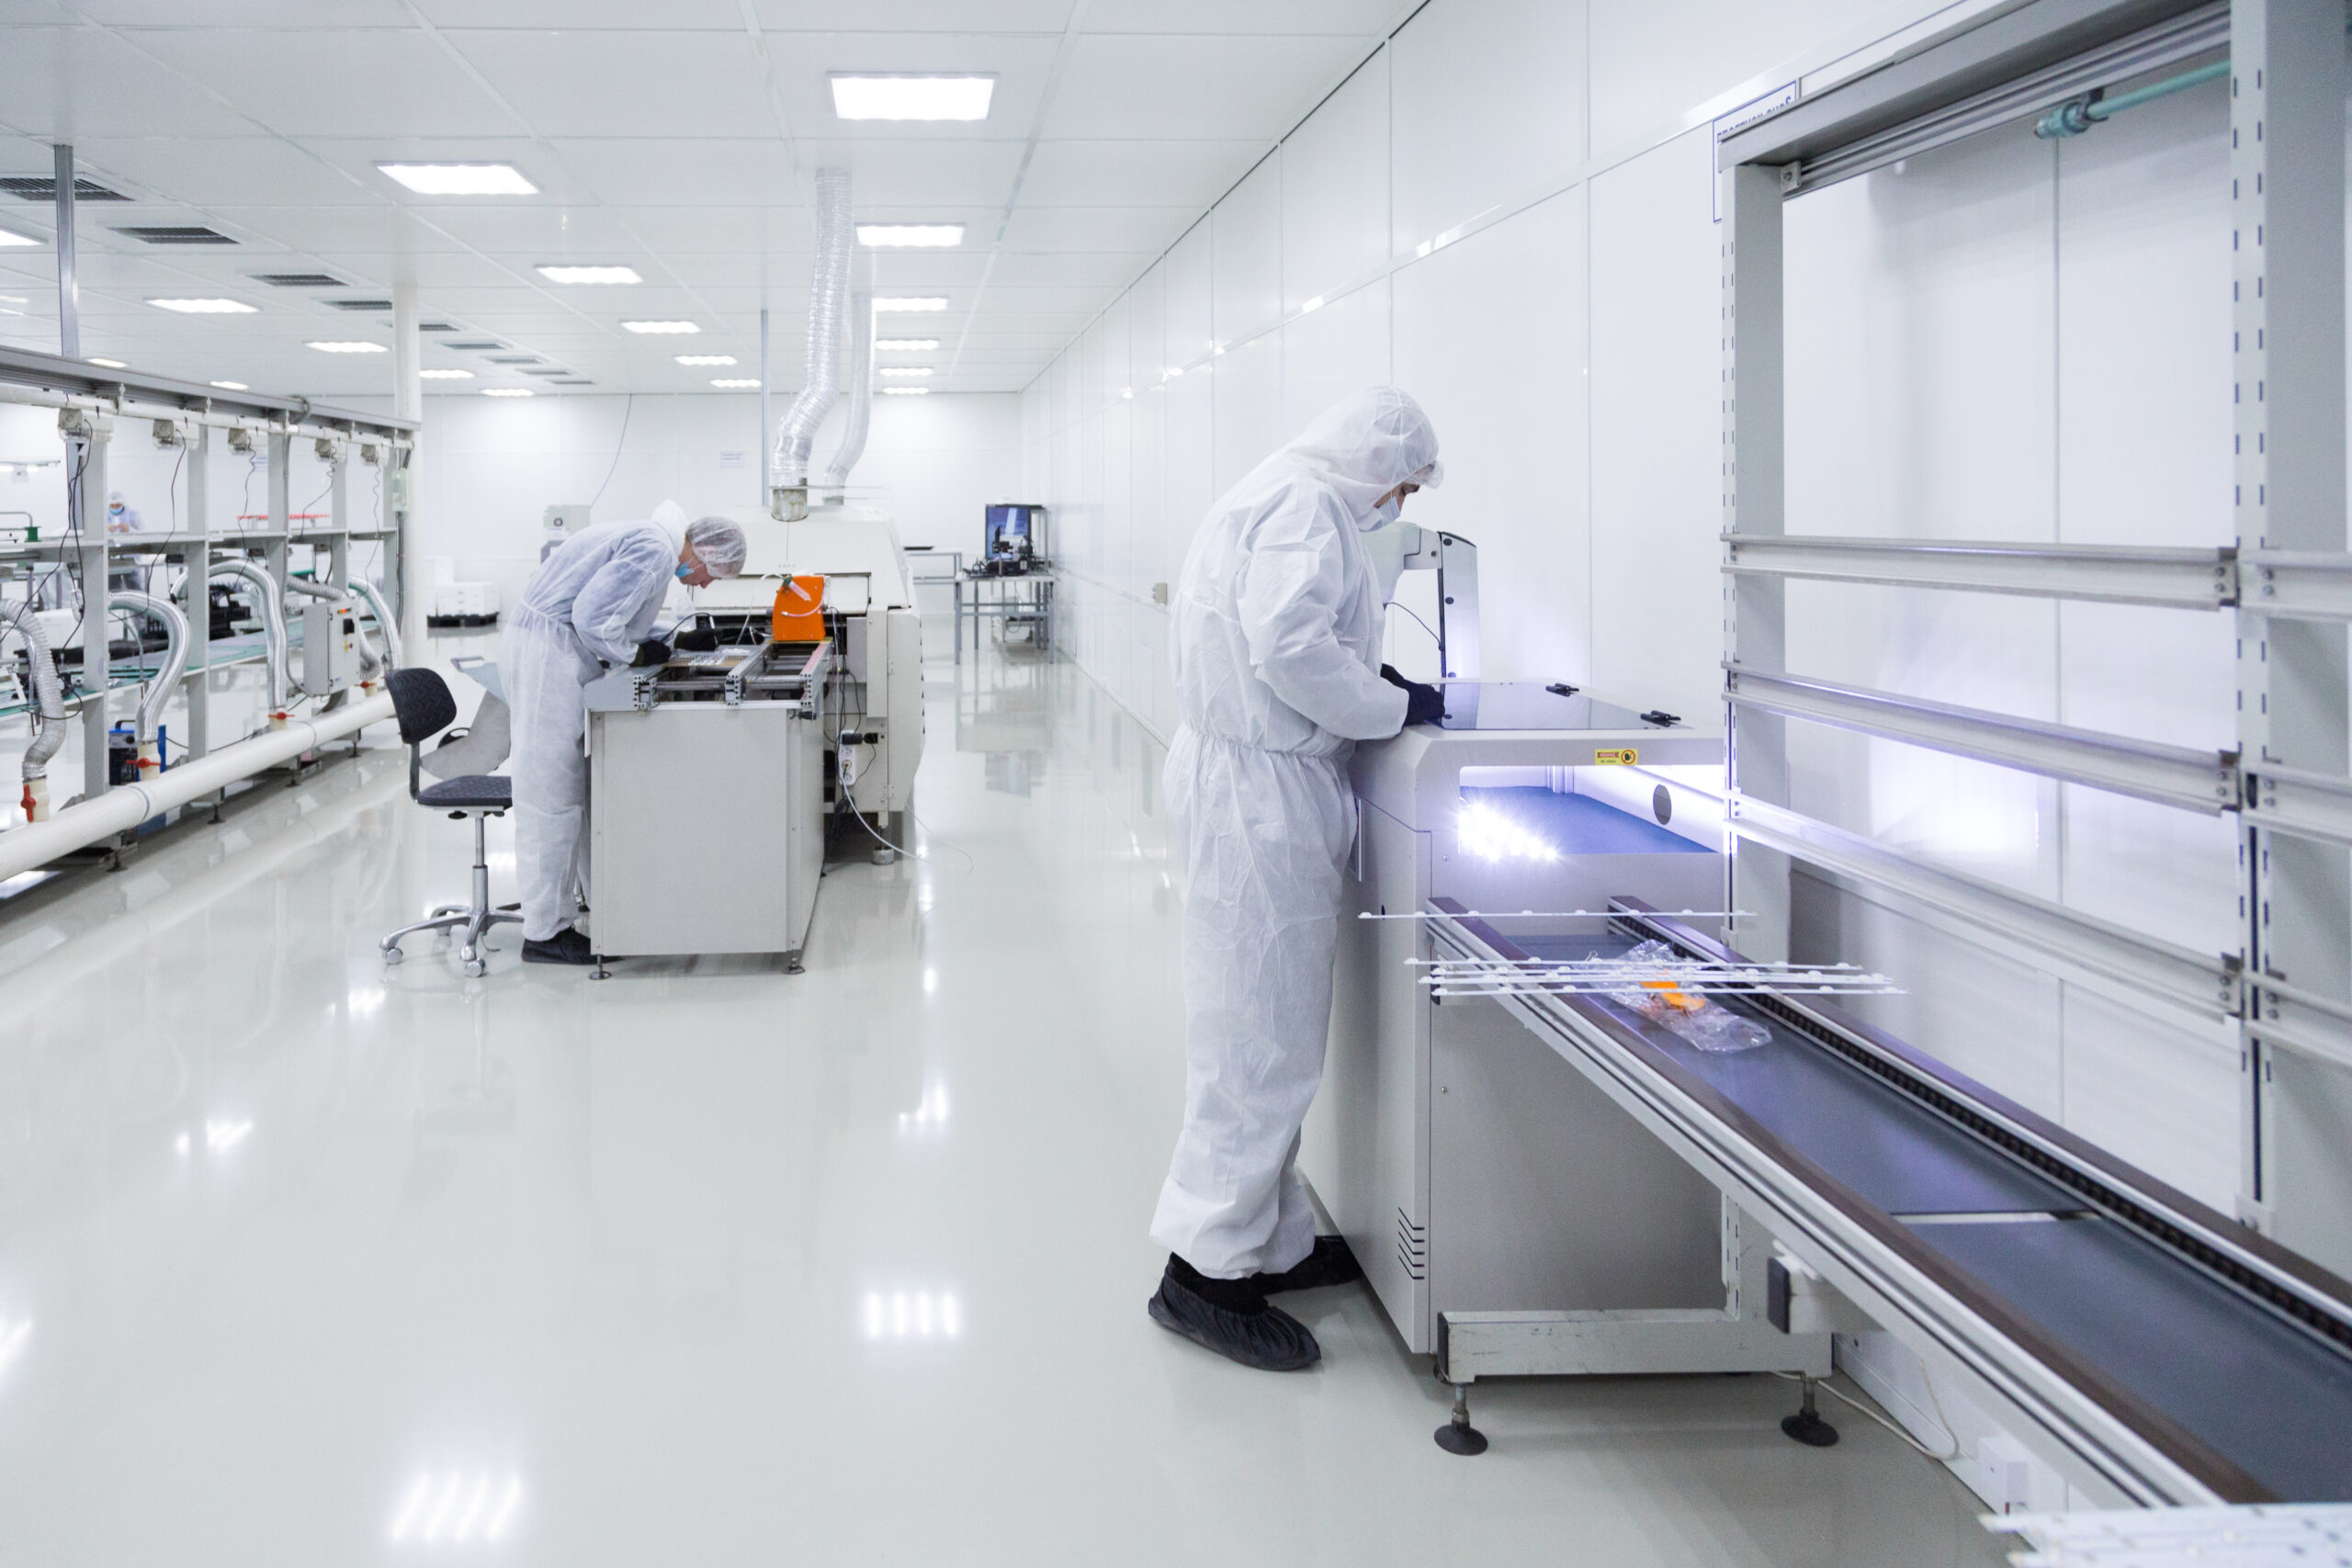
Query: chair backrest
(422, 703)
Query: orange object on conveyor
(800, 610)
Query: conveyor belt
(2115, 1311)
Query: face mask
(1387, 512)
(685, 571)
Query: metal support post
(196, 688)
(2287, 204)
(69, 290)
(86, 456)
(1755, 607)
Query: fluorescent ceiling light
(590, 274)
(660, 327)
(231, 386)
(108, 364)
(461, 179)
(901, 303)
(906, 371)
(906, 344)
(912, 97)
(507, 392)
(204, 307)
(445, 375)
(10, 237)
(350, 348)
(732, 382)
(705, 359)
(11, 298)
(931, 235)
(1311, 306)
(906, 391)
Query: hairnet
(1366, 445)
(720, 544)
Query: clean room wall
(491, 465)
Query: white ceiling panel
(1257, 87)
(381, 230)
(64, 83)
(902, 173)
(1152, 229)
(551, 232)
(335, 83)
(272, 14)
(246, 170)
(358, 156)
(571, 83)
(673, 172)
(914, 16)
(1113, 269)
(1187, 174)
(1368, 20)
(709, 15)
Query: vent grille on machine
(178, 234)
(300, 280)
(1412, 1246)
(43, 188)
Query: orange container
(800, 610)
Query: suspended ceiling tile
(1256, 87)
(243, 170)
(569, 83)
(1113, 269)
(545, 232)
(305, 84)
(1186, 174)
(272, 14)
(1368, 20)
(909, 173)
(60, 84)
(1046, 17)
(672, 172)
(1152, 229)
(711, 16)
(367, 231)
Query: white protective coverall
(1277, 661)
(596, 598)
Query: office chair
(422, 703)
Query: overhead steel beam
(53, 373)
(2208, 984)
(2169, 776)
(2307, 804)
(2115, 574)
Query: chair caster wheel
(392, 956)
(474, 965)
(885, 857)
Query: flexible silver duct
(272, 622)
(168, 679)
(861, 386)
(385, 621)
(49, 696)
(828, 303)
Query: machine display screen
(1531, 704)
(1008, 532)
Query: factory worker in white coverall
(1278, 675)
(590, 604)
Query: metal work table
(1028, 598)
(2154, 1350)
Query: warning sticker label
(1622, 754)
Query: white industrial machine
(874, 692)
(1489, 1189)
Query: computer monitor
(1014, 531)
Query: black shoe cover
(1331, 1263)
(1268, 1338)
(567, 946)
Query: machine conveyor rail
(2152, 1348)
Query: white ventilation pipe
(125, 807)
(828, 304)
(860, 388)
(272, 625)
(168, 679)
(48, 711)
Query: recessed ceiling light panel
(350, 347)
(445, 375)
(898, 303)
(927, 236)
(569, 274)
(506, 392)
(204, 307)
(906, 391)
(705, 359)
(906, 371)
(108, 364)
(906, 344)
(886, 97)
(232, 386)
(10, 237)
(461, 179)
(659, 327)
(734, 383)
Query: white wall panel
(1192, 460)
(1652, 64)
(1245, 238)
(1505, 388)
(1192, 325)
(1489, 100)
(1338, 349)
(1335, 189)
(1249, 389)
(1656, 473)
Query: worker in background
(123, 518)
(1278, 674)
(590, 604)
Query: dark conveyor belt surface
(1893, 1155)
(2268, 1396)
(2192, 1361)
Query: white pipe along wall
(125, 807)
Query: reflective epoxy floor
(305, 1261)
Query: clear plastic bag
(1687, 1013)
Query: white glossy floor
(303, 1261)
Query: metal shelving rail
(97, 405)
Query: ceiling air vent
(515, 359)
(474, 346)
(300, 280)
(436, 326)
(547, 372)
(361, 304)
(571, 383)
(43, 188)
(178, 234)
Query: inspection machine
(733, 737)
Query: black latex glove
(651, 652)
(697, 639)
(1423, 704)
